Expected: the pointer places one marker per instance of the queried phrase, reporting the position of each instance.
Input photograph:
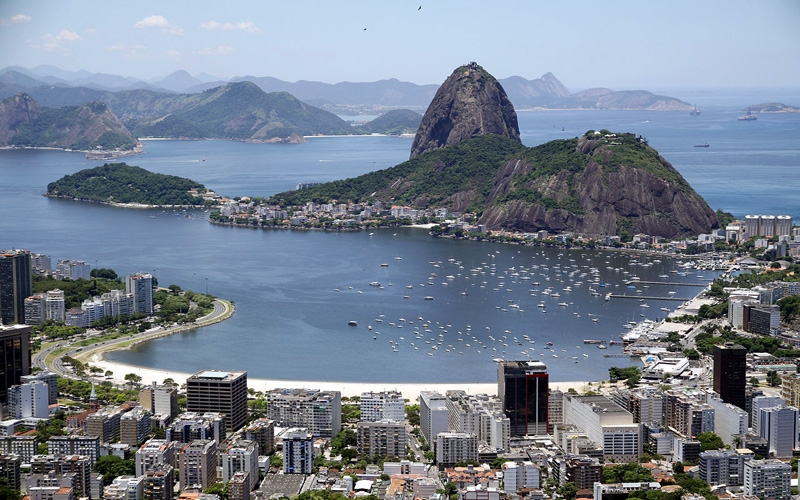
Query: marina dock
(644, 297)
(671, 283)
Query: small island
(773, 107)
(125, 185)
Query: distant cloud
(158, 22)
(219, 51)
(89, 31)
(248, 26)
(135, 52)
(15, 19)
(173, 53)
(59, 41)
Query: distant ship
(748, 117)
(704, 145)
(695, 111)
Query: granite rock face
(470, 103)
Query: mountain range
(342, 97)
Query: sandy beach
(409, 391)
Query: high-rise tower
(522, 386)
(730, 367)
(15, 285)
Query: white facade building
(387, 405)
(433, 415)
(607, 424)
(54, 305)
(519, 475)
(767, 479)
(141, 286)
(454, 447)
(29, 400)
(778, 425)
(73, 269)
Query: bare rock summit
(470, 103)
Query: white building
(778, 425)
(607, 424)
(767, 479)
(298, 452)
(454, 447)
(759, 403)
(722, 467)
(728, 419)
(519, 475)
(481, 415)
(30, 399)
(155, 453)
(319, 412)
(387, 405)
(141, 286)
(241, 456)
(54, 305)
(433, 415)
(73, 269)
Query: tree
(568, 490)
(133, 379)
(677, 467)
(7, 493)
(631, 472)
(710, 441)
(412, 414)
(218, 489)
(109, 374)
(773, 378)
(753, 381)
(112, 466)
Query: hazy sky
(617, 44)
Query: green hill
(394, 122)
(598, 184)
(122, 183)
(241, 111)
(23, 122)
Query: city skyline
(621, 45)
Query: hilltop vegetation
(122, 183)
(600, 183)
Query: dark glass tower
(15, 285)
(522, 386)
(730, 373)
(15, 357)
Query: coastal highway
(222, 310)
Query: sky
(600, 43)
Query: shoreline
(410, 390)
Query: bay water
(296, 291)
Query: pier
(672, 283)
(644, 297)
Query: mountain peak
(470, 103)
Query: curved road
(222, 310)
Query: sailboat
(695, 111)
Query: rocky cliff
(620, 185)
(470, 103)
(24, 123)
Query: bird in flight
(420, 7)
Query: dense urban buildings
(16, 278)
(730, 366)
(197, 464)
(387, 405)
(220, 392)
(522, 386)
